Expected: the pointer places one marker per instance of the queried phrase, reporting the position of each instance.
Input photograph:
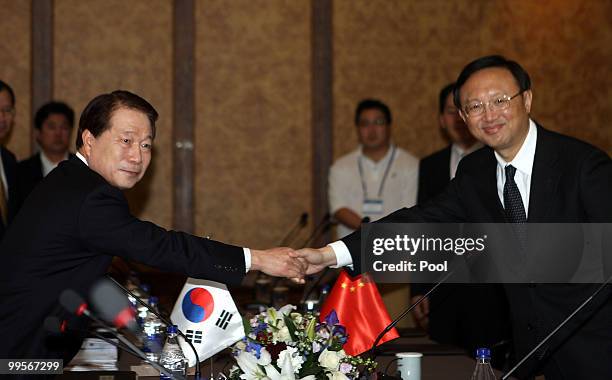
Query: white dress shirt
(523, 162)
(47, 164)
(457, 153)
(347, 182)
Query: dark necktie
(513, 204)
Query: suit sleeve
(106, 226)
(596, 196)
(444, 208)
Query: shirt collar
(82, 158)
(383, 161)
(47, 164)
(464, 152)
(523, 161)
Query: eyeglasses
(7, 111)
(366, 123)
(499, 103)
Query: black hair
(520, 75)
(367, 104)
(53, 108)
(97, 114)
(443, 95)
(5, 87)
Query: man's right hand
(279, 262)
(421, 312)
(316, 259)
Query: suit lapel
(544, 177)
(488, 188)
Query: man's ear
(88, 142)
(527, 98)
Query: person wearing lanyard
(374, 179)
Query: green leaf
(310, 329)
(247, 326)
(272, 315)
(290, 327)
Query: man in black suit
(467, 316)
(8, 163)
(53, 125)
(524, 174)
(75, 221)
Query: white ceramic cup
(409, 365)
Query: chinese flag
(360, 310)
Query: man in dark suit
(467, 316)
(77, 219)
(8, 163)
(53, 125)
(524, 174)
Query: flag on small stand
(360, 310)
(206, 313)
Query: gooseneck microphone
(197, 374)
(113, 306)
(56, 326)
(556, 329)
(301, 223)
(320, 228)
(322, 275)
(408, 310)
(74, 303)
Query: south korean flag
(206, 313)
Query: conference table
(439, 362)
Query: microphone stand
(198, 374)
(559, 326)
(407, 311)
(301, 223)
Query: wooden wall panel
(101, 46)
(253, 155)
(403, 52)
(15, 68)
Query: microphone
(57, 327)
(556, 329)
(113, 306)
(301, 223)
(468, 258)
(320, 228)
(326, 218)
(165, 320)
(408, 310)
(74, 303)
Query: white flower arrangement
(286, 345)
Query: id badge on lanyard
(372, 207)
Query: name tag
(372, 206)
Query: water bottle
(142, 311)
(172, 358)
(483, 370)
(323, 295)
(152, 333)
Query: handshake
(290, 263)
